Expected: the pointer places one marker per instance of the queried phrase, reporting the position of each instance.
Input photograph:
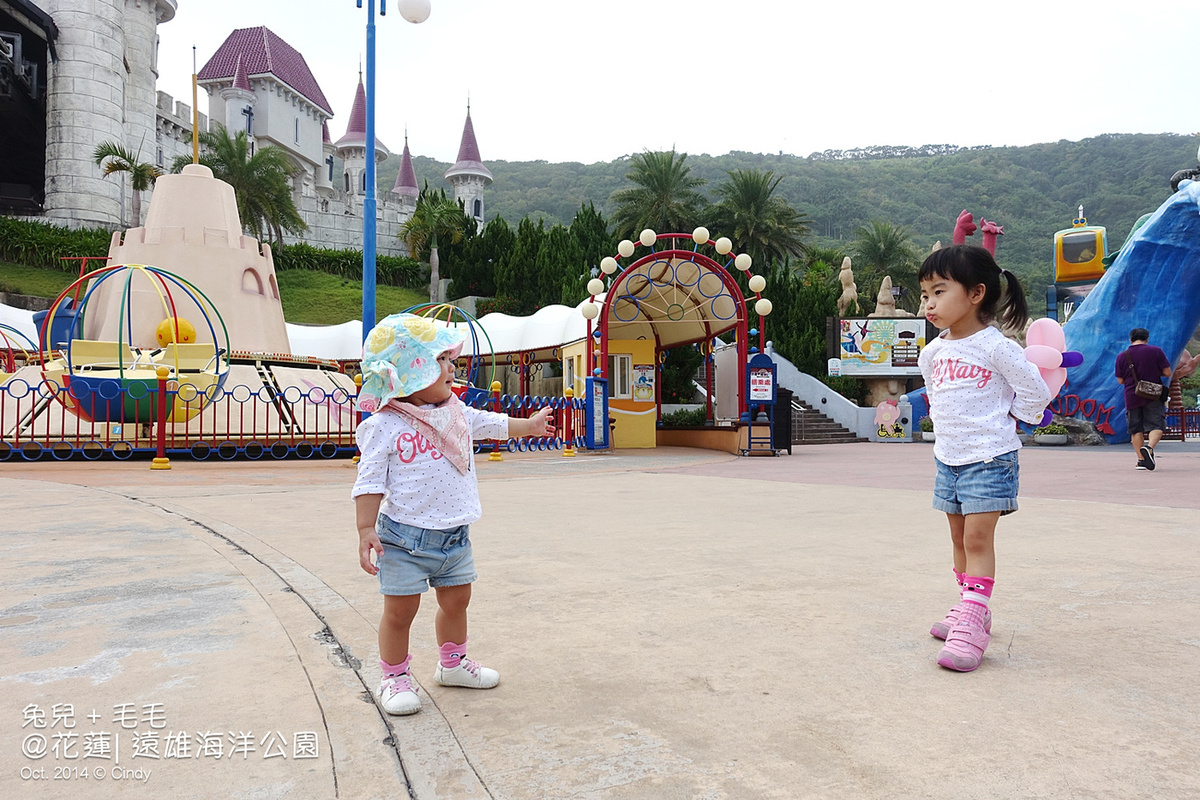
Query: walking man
(1146, 417)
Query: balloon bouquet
(1048, 351)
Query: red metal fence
(240, 421)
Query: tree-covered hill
(1032, 191)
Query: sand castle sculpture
(193, 230)
(849, 296)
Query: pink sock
(392, 670)
(977, 594)
(958, 578)
(451, 653)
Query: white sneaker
(468, 673)
(399, 696)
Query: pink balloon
(1043, 356)
(1046, 331)
(1054, 378)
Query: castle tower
(352, 147)
(101, 89)
(406, 190)
(469, 176)
(289, 107)
(239, 102)
(325, 172)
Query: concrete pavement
(670, 624)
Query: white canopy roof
(547, 328)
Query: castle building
(75, 73)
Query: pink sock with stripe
(451, 653)
(392, 670)
(977, 594)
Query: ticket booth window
(620, 376)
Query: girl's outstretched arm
(540, 424)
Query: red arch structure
(679, 297)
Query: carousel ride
(13, 351)
(115, 381)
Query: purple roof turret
(469, 162)
(406, 179)
(356, 130)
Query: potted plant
(926, 426)
(1052, 434)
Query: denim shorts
(978, 488)
(416, 558)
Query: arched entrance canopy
(673, 296)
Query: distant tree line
(1032, 191)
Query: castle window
(478, 208)
(251, 282)
(362, 182)
(297, 130)
(345, 175)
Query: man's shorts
(978, 488)
(1150, 417)
(416, 558)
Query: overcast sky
(592, 80)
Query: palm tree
(141, 174)
(664, 197)
(882, 248)
(436, 217)
(758, 222)
(261, 182)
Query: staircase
(810, 426)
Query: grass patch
(313, 298)
(318, 298)
(18, 279)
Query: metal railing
(225, 423)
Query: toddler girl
(416, 495)
(978, 383)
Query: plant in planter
(926, 426)
(1052, 434)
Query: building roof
(406, 178)
(264, 53)
(469, 162)
(356, 130)
(240, 81)
(27, 13)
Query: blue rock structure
(1154, 283)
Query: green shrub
(40, 244)
(926, 425)
(389, 270)
(685, 417)
(1053, 429)
(498, 305)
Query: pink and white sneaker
(468, 673)
(965, 644)
(941, 629)
(398, 695)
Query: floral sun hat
(400, 357)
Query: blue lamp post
(414, 11)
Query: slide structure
(1153, 283)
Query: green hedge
(389, 270)
(42, 245)
(685, 417)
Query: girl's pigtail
(1013, 312)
